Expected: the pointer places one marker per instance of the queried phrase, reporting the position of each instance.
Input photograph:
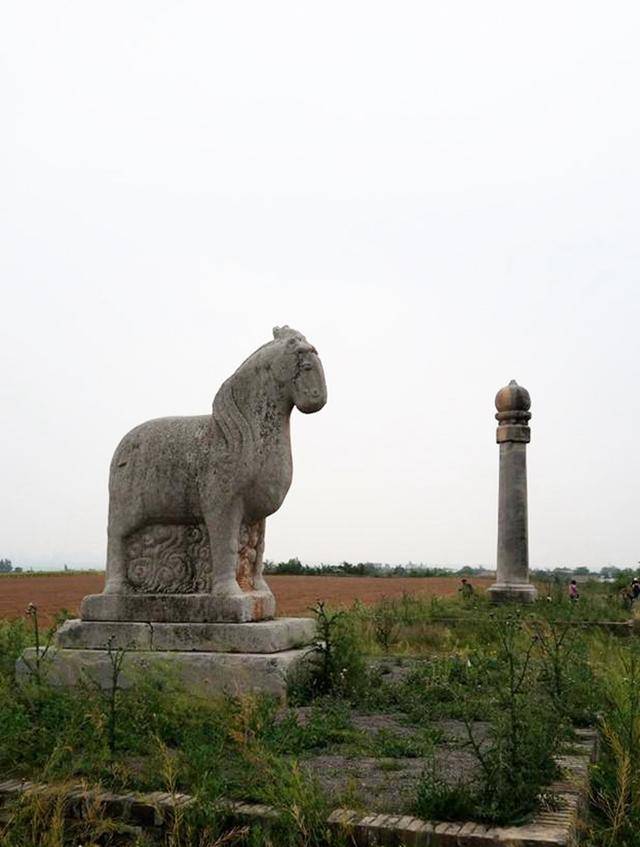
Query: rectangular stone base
(508, 592)
(205, 674)
(178, 608)
(254, 637)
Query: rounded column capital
(513, 403)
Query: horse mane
(236, 429)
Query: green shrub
(338, 668)
(14, 637)
(564, 671)
(385, 623)
(439, 800)
(517, 759)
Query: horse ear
(280, 331)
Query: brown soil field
(294, 594)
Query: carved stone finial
(513, 403)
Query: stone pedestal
(513, 435)
(205, 658)
(204, 674)
(258, 637)
(165, 608)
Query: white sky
(441, 195)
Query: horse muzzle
(311, 401)
(310, 387)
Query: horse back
(156, 466)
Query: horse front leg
(223, 526)
(116, 581)
(258, 580)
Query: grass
(529, 675)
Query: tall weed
(616, 777)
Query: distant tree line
(294, 567)
(618, 576)
(6, 566)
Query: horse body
(154, 474)
(228, 470)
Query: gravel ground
(390, 784)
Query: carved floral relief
(176, 558)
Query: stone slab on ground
(205, 674)
(252, 637)
(178, 608)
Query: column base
(512, 592)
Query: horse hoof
(226, 588)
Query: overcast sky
(442, 196)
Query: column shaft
(513, 539)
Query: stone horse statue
(188, 496)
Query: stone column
(513, 434)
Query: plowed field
(294, 594)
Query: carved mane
(230, 417)
(227, 412)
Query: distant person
(634, 589)
(626, 598)
(466, 589)
(573, 591)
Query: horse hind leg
(250, 556)
(246, 558)
(224, 532)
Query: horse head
(298, 369)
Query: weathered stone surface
(95, 635)
(207, 674)
(513, 434)
(256, 637)
(509, 592)
(188, 496)
(169, 608)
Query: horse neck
(264, 396)
(251, 407)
